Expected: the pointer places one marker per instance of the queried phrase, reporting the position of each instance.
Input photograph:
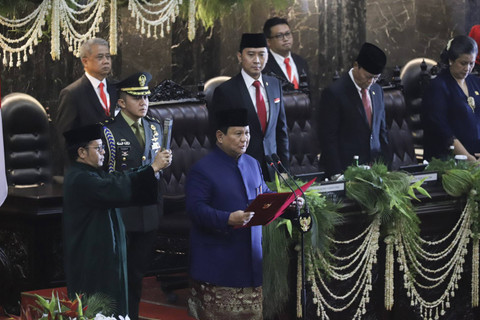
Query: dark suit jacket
(79, 105)
(234, 94)
(128, 155)
(273, 67)
(343, 126)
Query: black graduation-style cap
(371, 58)
(231, 118)
(136, 84)
(83, 134)
(253, 40)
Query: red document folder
(270, 206)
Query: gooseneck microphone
(301, 217)
(271, 163)
(277, 160)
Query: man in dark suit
(281, 60)
(133, 140)
(262, 96)
(91, 98)
(352, 115)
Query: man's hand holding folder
(269, 206)
(240, 218)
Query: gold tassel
(389, 269)
(475, 257)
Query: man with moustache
(91, 98)
(93, 230)
(281, 60)
(262, 97)
(225, 263)
(134, 141)
(352, 115)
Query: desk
(30, 241)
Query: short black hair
(272, 22)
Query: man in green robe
(94, 234)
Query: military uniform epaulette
(148, 117)
(108, 121)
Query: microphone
(306, 215)
(271, 163)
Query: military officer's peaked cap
(136, 84)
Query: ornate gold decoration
(142, 80)
(305, 223)
(471, 103)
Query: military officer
(133, 139)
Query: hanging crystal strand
(191, 20)
(55, 48)
(389, 271)
(113, 27)
(299, 285)
(475, 263)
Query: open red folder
(270, 206)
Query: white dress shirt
(281, 62)
(252, 90)
(95, 83)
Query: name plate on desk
(330, 187)
(431, 177)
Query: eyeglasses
(99, 148)
(281, 36)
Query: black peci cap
(83, 134)
(253, 40)
(231, 118)
(371, 58)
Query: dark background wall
(328, 33)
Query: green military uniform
(129, 149)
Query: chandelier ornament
(67, 17)
(18, 47)
(149, 16)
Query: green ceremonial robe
(94, 234)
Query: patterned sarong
(209, 302)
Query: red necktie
(261, 109)
(103, 96)
(289, 73)
(367, 106)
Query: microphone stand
(272, 164)
(302, 232)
